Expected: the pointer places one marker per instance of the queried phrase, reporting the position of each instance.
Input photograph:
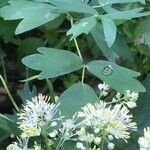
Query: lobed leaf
(53, 62)
(72, 5)
(117, 77)
(83, 26)
(33, 14)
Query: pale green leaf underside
(119, 78)
(110, 30)
(53, 62)
(33, 14)
(83, 26)
(104, 2)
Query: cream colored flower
(115, 121)
(129, 98)
(144, 141)
(21, 144)
(104, 88)
(35, 115)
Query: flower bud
(97, 140)
(110, 146)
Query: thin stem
(27, 72)
(77, 47)
(51, 90)
(98, 6)
(4, 69)
(60, 144)
(75, 40)
(83, 74)
(8, 92)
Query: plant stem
(83, 74)
(3, 66)
(75, 40)
(8, 92)
(77, 47)
(60, 144)
(51, 90)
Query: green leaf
(28, 46)
(141, 113)
(104, 2)
(110, 30)
(3, 135)
(33, 14)
(143, 107)
(27, 94)
(3, 3)
(120, 46)
(83, 26)
(53, 62)
(117, 77)
(126, 14)
(7, 29)
(98, 35)
(142, 27)
(69, 145)
(76, 97)
(73, 5)
(8, 125)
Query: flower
(80, 146)
(36, 146)
(105, 122)
(35, 115)
(103, 89)
(21, 144)
(110, 146)
(144, 141)
(68, 128)
(129, 98)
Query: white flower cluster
(102, 123)
(93, 128)
(68, 127)
(129, 98)
(144, 141)
(35, 115)
(21, 144)
(104, 88)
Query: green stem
(75, 40)
(77, 47)
(116, 101)
(60, 144)
(83, 74)
(10, 96)
(51, 90)
(3, 64)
